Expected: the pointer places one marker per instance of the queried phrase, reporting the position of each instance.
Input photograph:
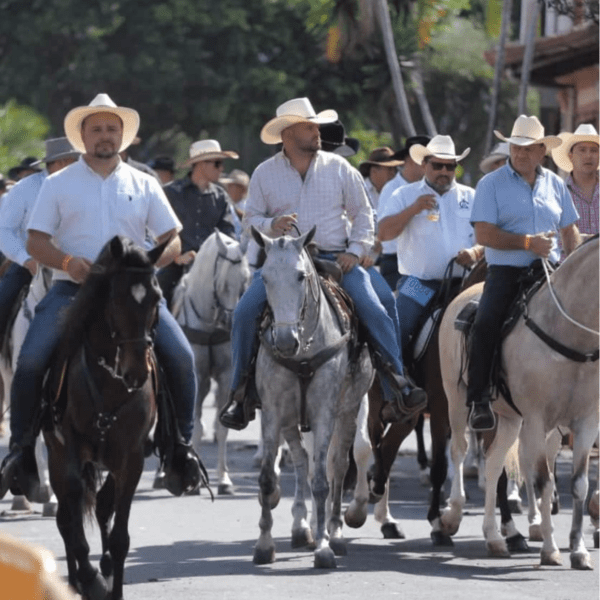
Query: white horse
(305, 381)
(40, 284)
(549, 389)
(203, 305)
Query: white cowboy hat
(441, 146)
(298, 110)
(499, 151)
(207, 150)
(236, 176)
(527, 131)
(57, 148)
(101, 103)
(584, 133)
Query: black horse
(107, 409)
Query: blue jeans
(12, 282)
(388, 267)
(43, 336)
(362, 287)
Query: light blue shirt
(504, 199)
(14, 214)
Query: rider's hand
(466, 257)
(186, 258)
(347, 261)
(31, 265)
(282, 225)
(79, 268)
(541, 243)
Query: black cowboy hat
(162, 163)
(333, 139)
(402, 154)
(27, 164)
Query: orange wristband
(64, 265)
(527, 242)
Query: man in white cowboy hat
(303, 186)
(236, 185)
(518, 210)
(578, 156)
(496, 158)
(14, 214)
(201, 205)
(430, 220)
(408, 172)
(77, 211)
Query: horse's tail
(512, 464)
(91, 482)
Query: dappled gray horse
(203, 305)
(305, 381)
(550, 360)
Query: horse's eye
(301, 276)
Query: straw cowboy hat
(236, 176)
(207, 150)
(298, 110)
(584, 133)
(441, 146)
(101, 104)
(499, 151)
(380, 157)
(527, 131)
(56, 149)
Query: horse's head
(131, 310)
(290, 281)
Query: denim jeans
(500, 289)
(43, 336)
(362, 286)
(388, 267)
(11, 283)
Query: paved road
(189, 547)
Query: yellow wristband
(64, 265)
(527, 242)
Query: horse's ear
(220, 242)
(116, 247)
(309, 236)
(258, 236)
(156, 252)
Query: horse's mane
(93, 294)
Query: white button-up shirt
(425, 247)
(332, 196)
(14, 214)
(389, 246)
(83, 211)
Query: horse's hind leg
(422, 459)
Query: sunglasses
(218, 163)
(438, 166)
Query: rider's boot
(19, 472)
(408, 399)
(481, 415)
(241, 406)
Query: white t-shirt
(425, 247)
(83, 211)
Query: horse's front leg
(105, 508)
(269, 491)
(225, 485)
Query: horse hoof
(470, 472)
(225, 489)
(302, 538)
(535, 533)
(159, 481)
(325, 559)
(497, 549)
(517, 544)
(581, 561)
(440, 539)
(555, 506)
(42, 495)
(106, 565)
(424, 479)
(194, 492)
(21, 504)
(339, 547)
(355, 518)
(552, 559)
(596, 539)
(391, 531)
(96, 589)
(515, 507)
(264, 556)
(50, 509)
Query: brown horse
(109, 410)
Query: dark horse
(108, 412)
(386, 442)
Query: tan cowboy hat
(499, 151)
(56, 149)
(207, 150)
(236, 176)
(298, 110)
(101, 103)
(584, 133)
(380, 157)
(441, 146)
(527, 131)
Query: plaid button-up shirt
(589, 215)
